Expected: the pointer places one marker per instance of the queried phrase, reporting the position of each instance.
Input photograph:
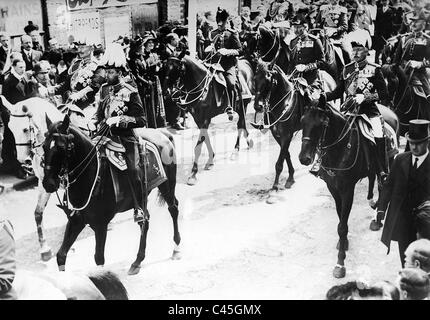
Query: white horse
(29, 122)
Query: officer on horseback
(120, 107)
(364, 85)
(226, 42)
(306, 56)
(333, 18)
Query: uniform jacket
(228, 39)
(333, 17)
(121, 99)
(362, 78)
(306, 50)
(35, 58)
(394, 196)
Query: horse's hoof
(275, 187)
(289, 184)
(176, 255)
(209, 166)
(192, 181)
(234, 155)
(61, 268)
(46, 256)
(339, 272)
(250, 143)
(346, 245)
(133, 270)
(272, 200)
(375, 225)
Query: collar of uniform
(171, 47)
(116, 87)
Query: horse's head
(264, 80)
(173, 70)
(57, 147)
(313, 122)
(250, 39)
(268, 44)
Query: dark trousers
(172, 111)
(406, 240)
(131, 146)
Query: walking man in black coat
(407, 187)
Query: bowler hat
(418, 131)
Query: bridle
(321, 149)
(65, 174)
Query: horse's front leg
(347, 197)
(73, 229)
(197, 152)
(101, 233)
(43, 198)
(290, 181)
(135, 266)
(210, 163)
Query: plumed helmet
(114, 57)
(221, 15)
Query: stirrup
(138, 215)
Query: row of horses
(63, 153)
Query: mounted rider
(85, 77)
(228, 47)
(413, 57)
(364, 86)
(306, 56)
(120, 108)
(333, 19)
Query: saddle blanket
(114, 152)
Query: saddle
(113, 153)
(365, 126)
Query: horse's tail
(109, 285)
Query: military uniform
(307, 50)
(85, 77)
(123, 100)
(366, 78)
(228, 39)
(334, 20)
(416, 47)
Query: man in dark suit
(407, 187)
(16, 88)
(30, 56)
(4, 52)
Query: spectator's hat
(181, 31)
(42, 66)
(222, 15)
(418, 131)
(254, 14)
(148, 37)
(52, 41)
(114, 58)
(30, 27)
(415, 282)
(301, 17)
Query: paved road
(235, 245)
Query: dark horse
(70, 154)
(197, 92)
(342, 147)
(280, 99)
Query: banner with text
(85, 27)
(92, 4)
(14, 15)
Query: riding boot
(381, 158)
(229, 109)
(137, 195)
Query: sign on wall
(14, 15)
(85, 27)
(91, 4)
(115, 27)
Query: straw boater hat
(418, 131)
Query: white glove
(301, 67)
(92, 126)
(113, 121)
(223, 51)
(415, 64)
(75, 96)
(359, 98)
